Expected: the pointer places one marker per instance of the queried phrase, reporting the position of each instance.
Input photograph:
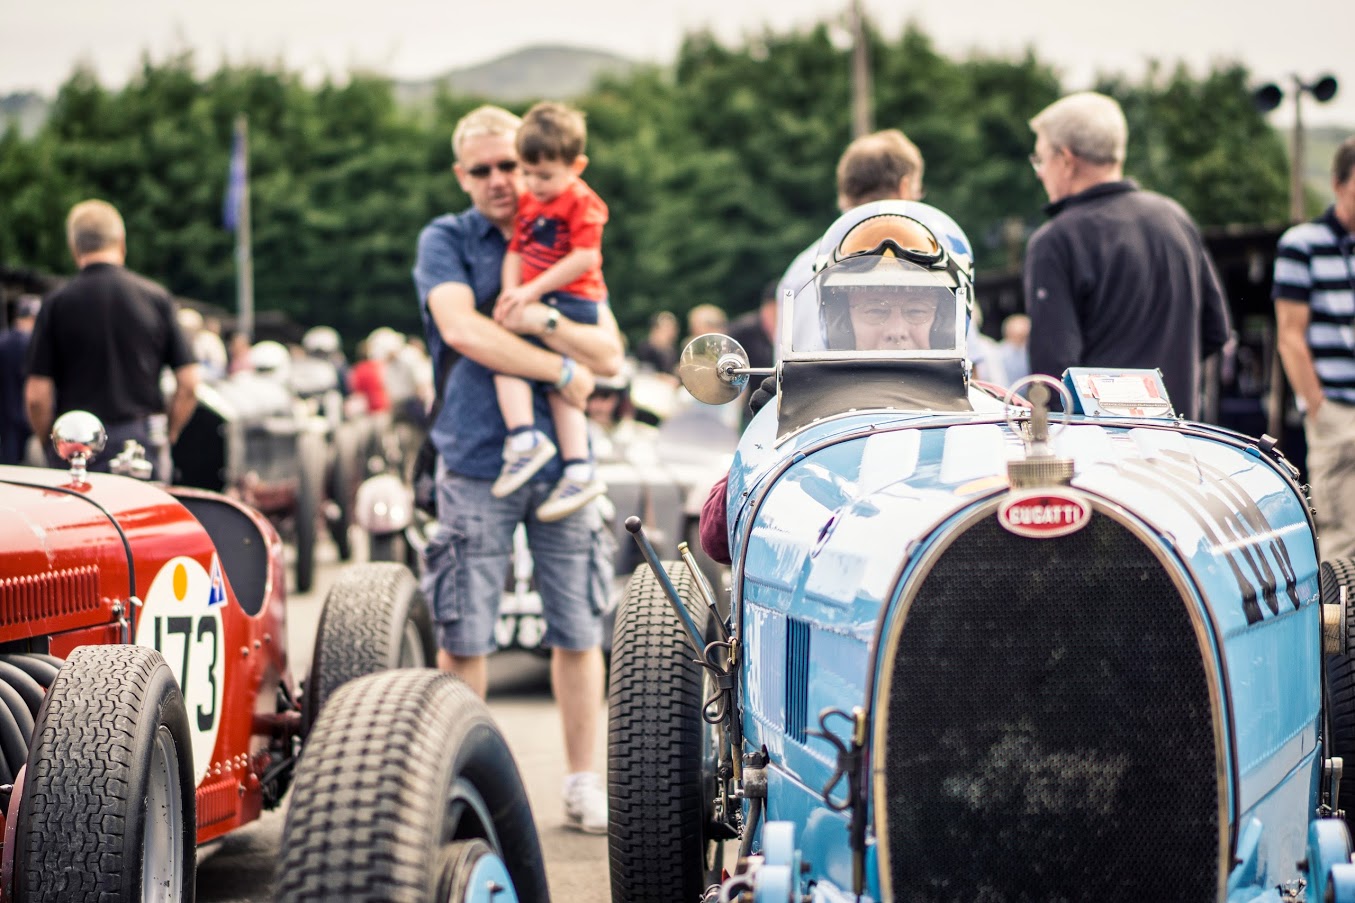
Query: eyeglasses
(877, 313)
(604, 394)
(482, 170)
(1037, 162)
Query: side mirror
(713, 367)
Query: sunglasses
(482, 170)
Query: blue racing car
(1055, 644)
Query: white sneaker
(586, 803)
(521, 466)
(569, 496)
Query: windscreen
(874, 305)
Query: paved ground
(240, 868)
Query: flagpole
(244, 262)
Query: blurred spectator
(99, 345)
(983, 352)
(367, 378)
(238, 353)
(756, 332)
(703, 319)
(319, 367)
(658, 352)
(397, 373)
(14, 429)
(1014, 349)
(206, 345)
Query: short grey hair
(94, 225)
(481, 121)
(1087, 125)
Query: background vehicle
(975, 656)
(146, 703)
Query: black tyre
(375, 618)
(1333, 575)
(343, 483)
(107, 811)
(309, 490)
(406, 787)
(387, 547)
(660, 776)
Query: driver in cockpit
(886, 285)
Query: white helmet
(270, 358)
(320, 340)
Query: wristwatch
(552, 321)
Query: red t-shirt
(545, 233)
(367, 378)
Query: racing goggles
(891, 235)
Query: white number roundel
(181, 617)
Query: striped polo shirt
(1315, 264)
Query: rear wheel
(107, 810)
(375, 618)
(408, 792)
(660, 773)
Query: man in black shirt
(1118, 277)
(100, 343)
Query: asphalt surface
(241, 867)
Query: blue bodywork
(832, 524)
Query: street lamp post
(1267, 98)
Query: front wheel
(107, 811)
(660, 774)
(408, 792)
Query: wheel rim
(473, 873)
(468, 816)
(162, 853)
(411, 647)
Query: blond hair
(482, 121)
(93, 226)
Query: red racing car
(147, 706)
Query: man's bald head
(880, 166)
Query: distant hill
(27, 110)
(545, 72)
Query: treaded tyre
(405, 789)
(1334, 574)
(107, 811)
(375, 618)
(657, 785)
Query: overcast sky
(41, 40)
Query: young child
(555, 256)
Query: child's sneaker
(586, 803)
(521, 466)
(568, 496)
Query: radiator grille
(51, 594)
(1049, 735)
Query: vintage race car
(982, 650)
(147, 705)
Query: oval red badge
(1041, 514)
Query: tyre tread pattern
(76, 792)
(366, 809)
(655, 838)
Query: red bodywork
(72, 555)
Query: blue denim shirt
(469, 430)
